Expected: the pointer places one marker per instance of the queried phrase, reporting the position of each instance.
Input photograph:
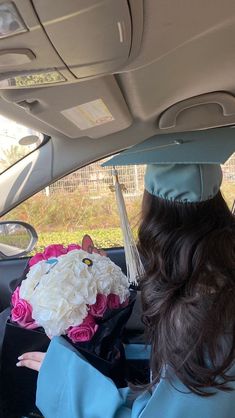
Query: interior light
(31, 79)
(10, 20)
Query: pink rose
(35, 259)
(54, 250)
(22, 314)
(51, 251)
(83, 332)
(72, 247)
(113, 301)
(99, 308)
(15, 296)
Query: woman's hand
(31, 360)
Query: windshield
(16, 141)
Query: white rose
(59, 293)
(120, 286)
(56, 315)
(32, 279)
(60, 300)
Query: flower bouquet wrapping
(75, 292)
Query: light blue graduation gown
(69, 387)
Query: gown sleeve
(69, 387)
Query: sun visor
(213, 146)
(94, 108)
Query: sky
(11, 132)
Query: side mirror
(17, 239)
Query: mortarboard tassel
(233, 207)
(134, 265)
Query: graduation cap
(212, 146)
(182, 167)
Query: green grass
(103, 238)
(71, 211)
(21, 241)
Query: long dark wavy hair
(188, 292)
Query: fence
(95, 180)
(229, 170)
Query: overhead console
(57, 58)
(46, 42)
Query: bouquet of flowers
(76, 292)
(69, 291)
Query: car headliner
(187, 51)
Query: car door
(10, 271)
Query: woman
(187, 237)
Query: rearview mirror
(17, 239)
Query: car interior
(96, 77)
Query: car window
(228, 186)
(82, 202)
(16, 141)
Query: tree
(11, 155)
